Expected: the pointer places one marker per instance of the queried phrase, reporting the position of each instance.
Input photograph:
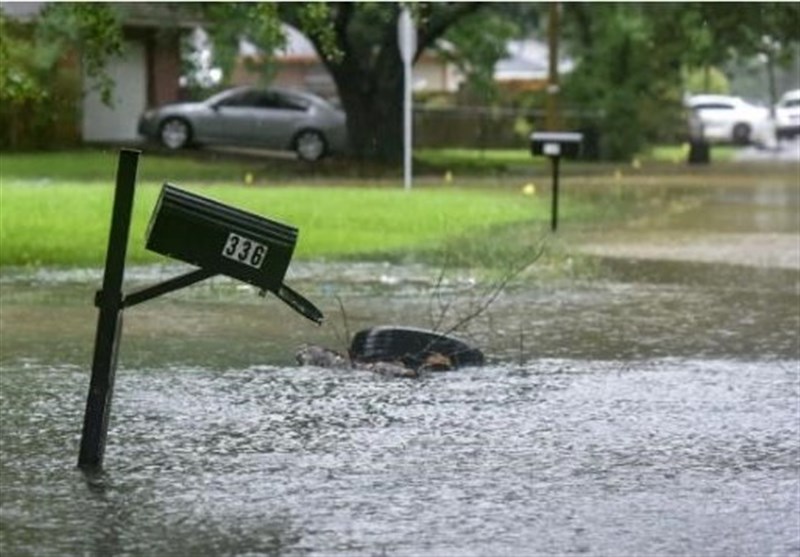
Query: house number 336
(244, 250)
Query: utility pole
(552, 114)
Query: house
(526, 67)
(297, 65)
(145, 75)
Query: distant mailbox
(556, 144)
(219, 238)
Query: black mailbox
(556, 144)
(216, 238)
(219, 238)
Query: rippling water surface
(553, 456)
(650, 407)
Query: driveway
(787, 150)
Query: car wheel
(175, 133)
(310, 145)
(741, 134)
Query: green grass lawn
(55, 207)
(474, 160)
(680, 153)
(67, 224)
(90, 165)
(493, 160)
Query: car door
(230, 121)
(717, 118)
(278, 116)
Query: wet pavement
(785, 151)
(642, 398)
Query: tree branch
(440, 19)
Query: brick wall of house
(164, 69)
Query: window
(290, 102)
(713, 106)
(242, 99)
(267, 100)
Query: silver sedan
(268, 118)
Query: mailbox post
(555, 145)
(109, 321)
(215, 238)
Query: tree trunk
(366, 66)
(373, 101)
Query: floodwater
(642, 398)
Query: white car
(787, 114)
(730, 119)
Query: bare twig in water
(496, 290)
(344, 342)
(493, 294)
(344, 317)
(436, 294)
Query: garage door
(118, 123)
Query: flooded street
(642, 397)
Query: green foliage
(314, 18)
(615, 75)
(232, 21)
(742, 28)
(40, 73)
(92, 29)
(18, 79)
(706, 80)
(475, 45)
(39, 90)
(631, 56)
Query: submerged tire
(413, 347)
